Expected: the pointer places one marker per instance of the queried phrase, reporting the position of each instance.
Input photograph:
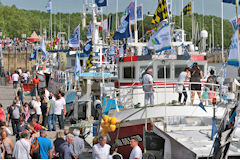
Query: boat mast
(192, 7)
(223, 59)
(135, 26)
(212, 34)
(182, 24)
(237, 22)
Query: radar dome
(204, 34)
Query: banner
(77, 68)
(161, 12)
(74, 40)
(43, 48)
(131, 11)
(123, 30)
(233, 58)
(49, 6)
(88, 48)
(234, 24)
(161, 40)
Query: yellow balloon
(105, 118)
(95, 140)
(104, 132)
(112, 128)
(109, 120)
(113, 120)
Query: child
(205, 95)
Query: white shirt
(20, 71)
(47, 94)
(136, 153)
(25, 76)
(32, 111)
(63, 101)
(182, 77)
(99, 152)
(15, 77)
(58, 107)
(38, 107)
(22, 149)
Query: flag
(58, 37)
(161, 12)
(231, 1)
(89, 61)
(49, 6)
(105, 25)
(88, 48)
(214, 129)
(234, 24)
(77, 68)
(101, 3)
(33, 56)
(161, 40)
(202, 106)
(187, 9)
(233, 53)
(129, 11)
(74, 40)
(123, 30)
(43, 48)
(139, 13)
(89, 33)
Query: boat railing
(126, 94)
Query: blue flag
(43, 48)
(33, 56)
(74, 40)
(89, 33)
(230, 1)
(77, 68)
(49, 6)
(123, 30)
(101, 3)
(202, 106)
(88, 48)
(214, 129)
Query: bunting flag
(49, 6)
(77, 68)
(88, 48)
(33, 56)
(74, 40)
(161, 40)
(187, 9)
(202, 106)
(214, 129)
(89, 61)
(43, 48)
(161, 12)
(89, 33)
(123, 30)
(101, 3)
(233, 53)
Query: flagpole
(237, 22)
(135, 26)
(222, 35)
(192, 8)
(116, 14)
(182, 24)
(142, 23)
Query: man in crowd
(14, 114)
(65, 149)
(147, 82)
(45, 145)
(15, 78)
(58, 111)
(25, 77)
(136, 152)
(101, 150)
(44, 103)
(20, 93)
(180, 86)
(50, 114)
(78, 145)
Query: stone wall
(15, 59)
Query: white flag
(161, 40)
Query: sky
(206, 7)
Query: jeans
(60, 121)
(149, 97)
(15, 83)
(185, 95)
(15, 126)
(51, 117)
(21, 99)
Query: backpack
(35, 150)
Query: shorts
(196, 87)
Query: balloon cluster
(108, 124)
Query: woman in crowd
(59, 140)
(2, 113)
(7, 144)
(26, 113)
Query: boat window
(179, 69)
(129, 72)
(161, 71)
